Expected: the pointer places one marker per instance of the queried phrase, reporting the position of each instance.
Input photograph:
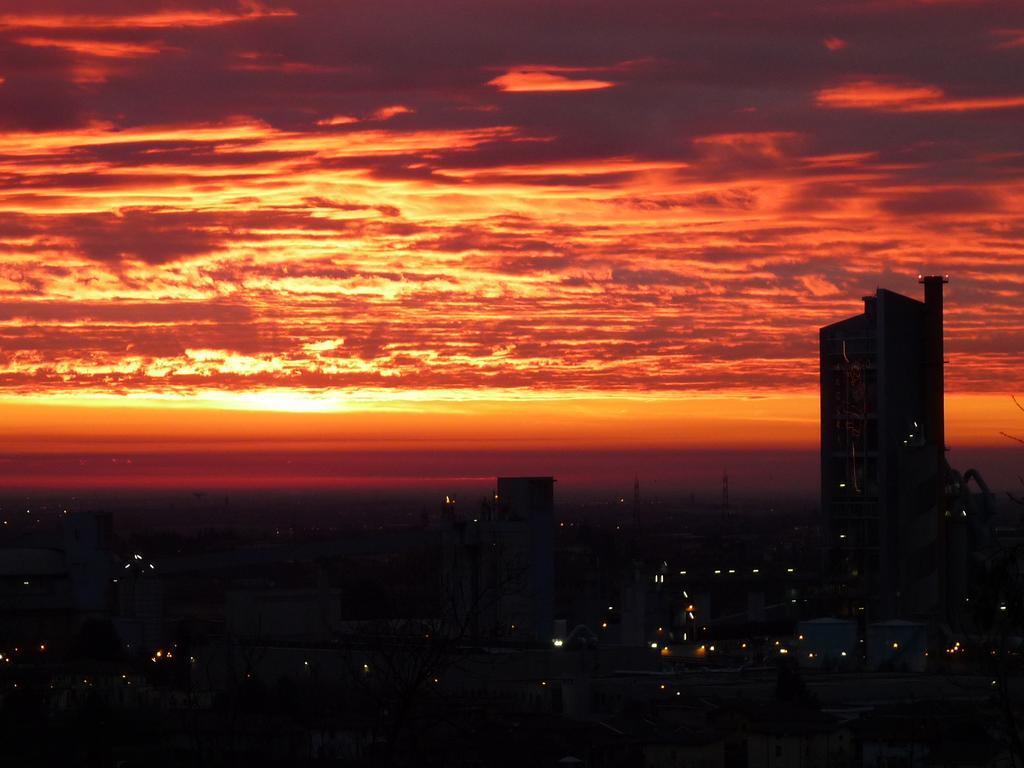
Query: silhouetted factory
(900, 526)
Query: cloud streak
(542, 81)
(909, 98)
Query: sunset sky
(397, 228)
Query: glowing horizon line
(342, 400)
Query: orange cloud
(156, 20)
(386, 113)
(907, 97)
(338, 120)
(544, 81)
(94, 60)
(101, 48)
(286, 250)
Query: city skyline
(266, 231)
(390, 383)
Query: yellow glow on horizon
(386, 419)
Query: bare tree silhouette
(397, 667)
(995, 622)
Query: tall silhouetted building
(884, 477)
(498, 563)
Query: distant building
(50, 584)
(283, 615)
(929, 733)
(777, 734)
(893, 547)
(827, 643)
(882, 452)
(498, 567)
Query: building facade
(884, 475)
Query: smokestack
(934, 412)
(869, 306)
(934, 362)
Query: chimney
(933, 361)
(934, 414)
(869, 306)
